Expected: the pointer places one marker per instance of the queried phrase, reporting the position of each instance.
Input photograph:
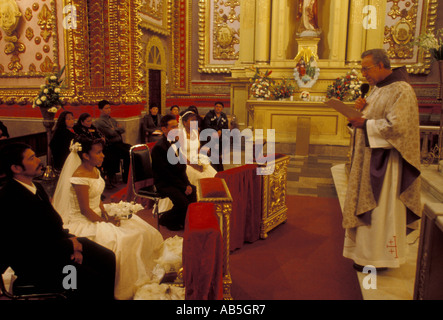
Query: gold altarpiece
(268, 41)
(96, 40)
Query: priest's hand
(360, 103)
(357, 122)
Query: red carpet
(300, 260)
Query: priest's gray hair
(378, 55)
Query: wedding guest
(3, 131)
(151, 124)
(84, 126)
(217, 120)
(175, 111)
(63, 135)
(133, 241)
(116, 149)
(33, 242)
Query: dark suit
(35, 245)
(171, 181)
(212, 122)
(150, 124)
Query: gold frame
(124, 59)
(427, 22)
(165, 27)
(206, 36)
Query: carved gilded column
(247, 27)
(262, 31)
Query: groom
(170, 179)
(32, 239)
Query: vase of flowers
(345, 88)
(434, 43)
(260, 86)
(283, 90)
(49, 102)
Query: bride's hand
(115, 221)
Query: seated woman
(77, 199)
(61, 140)
(85, 127)
(151, 125)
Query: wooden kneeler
(216, 191)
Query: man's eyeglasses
(366, 69)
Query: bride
(198, 165)
(78, 200)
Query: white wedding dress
(136, 244)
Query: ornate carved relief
(219, 35)
(115, 67)
(404, 21)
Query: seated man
(217, 120)
(115, 149)
(32, 239)
(170, 179)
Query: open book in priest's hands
(344, 109)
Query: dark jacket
(59, 144)
(211, 121)
(32, 238)
(91, 133)
(165, 173)
(149, 126)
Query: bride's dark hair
(86, 144)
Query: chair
(24, 291)
(141, 171)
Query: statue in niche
(308, 15)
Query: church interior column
(280, 30)
(263, 31)
(247, 27)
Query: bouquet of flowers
(122, 210)
(345, 88)
(283, 90)
(261, 84)
(431, 42)
(49, 95)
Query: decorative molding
(218, 35)
(156, 16)
(404, 22)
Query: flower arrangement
(345, 88)
(122, 210)
(261, 84)
(283, 90)
(431, 42)
(49, 95)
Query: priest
(383, 195)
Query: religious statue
(308, 15)
(306, 71)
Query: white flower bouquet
(49, 95)
(432, 42)
(123, 209)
